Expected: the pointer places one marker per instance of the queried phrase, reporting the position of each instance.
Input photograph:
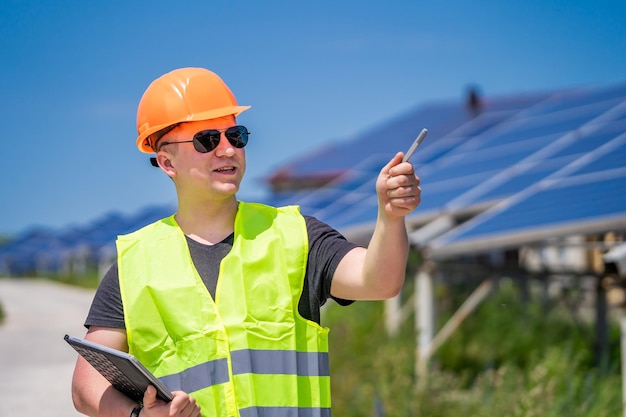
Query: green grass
(90, 280)
(507, 359)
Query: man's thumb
(149, 397)
(394, 161)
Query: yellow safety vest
(247, 353)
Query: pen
(413, 147)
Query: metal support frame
(425, 317)
(428, 342)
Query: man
(248, 343)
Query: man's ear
(166, 164)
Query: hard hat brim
(144, 146)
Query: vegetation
(508, 359)
(90, 279)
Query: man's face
(218, 172)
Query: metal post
(424, 319)
(601, 345)
(393, 315)
(429, 343)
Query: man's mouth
(225, 169)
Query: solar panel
(590, 204)
(580, 97)
(526, 175)
(442, 120)
(479, 161)
(586, 195)
(534, 128)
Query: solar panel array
(585, 196)
(42, 249)
(483, 160)
(532, 164)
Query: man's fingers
(149, 397)
(398, 187)
(397, 159)
(184, 405)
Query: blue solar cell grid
(567, 201)
(478, 160)
(590, 188)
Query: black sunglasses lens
(237, 136)
(207, 140)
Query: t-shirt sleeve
(107, 309)
(327, 247)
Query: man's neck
(208, 223)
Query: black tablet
(121, 369)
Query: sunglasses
(207, 140)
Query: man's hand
(182, 405)
(398, 188)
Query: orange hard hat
(183, 95)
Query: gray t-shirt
(326, 249)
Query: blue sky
(72, 73)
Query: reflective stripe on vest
(284, 412)
(280, 362)
(249, 361)
(251, 354)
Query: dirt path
(36, 364)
